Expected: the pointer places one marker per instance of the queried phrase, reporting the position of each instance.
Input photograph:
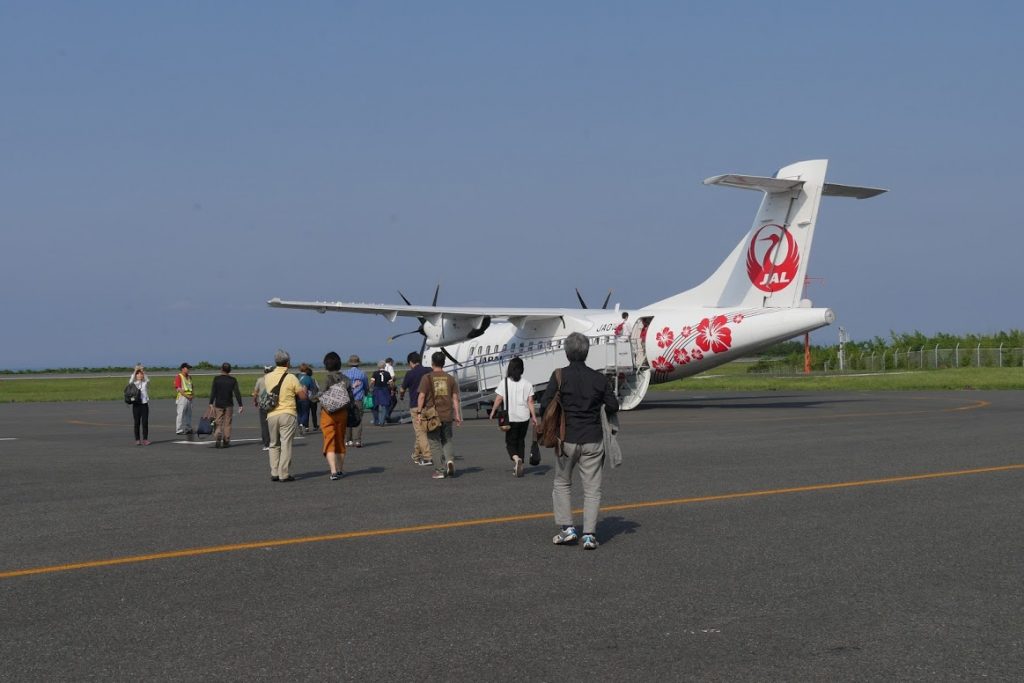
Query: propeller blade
(450, 356)
(423, 347)
(583, 304)
(402, 334)
(607, 299)
(419, 317)
(436, 290)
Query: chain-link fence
(900, 358)
(924, 358)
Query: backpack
(267, 400)
(335, 398)
(132, 394)
(551, 430)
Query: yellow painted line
(370, 533)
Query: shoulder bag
(431, 420)
(335, 397)
(268, 400)
(502, 414)
(551, 431)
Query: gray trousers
(183, 421)
(441, 448)
(590, 458)
(264, 428)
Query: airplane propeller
(419, 330)
(583, 304)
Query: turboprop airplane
(753, 300)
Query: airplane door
(638, 340)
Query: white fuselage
(672, 343)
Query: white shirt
(516, 404)
(143, 387)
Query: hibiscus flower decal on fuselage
(714, 335)
(665, 338)
(659, 364)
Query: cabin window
(504, 348)
(471, 349)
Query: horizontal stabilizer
(755, 182)
(833, 190)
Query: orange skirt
(333, 426)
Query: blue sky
(168, 167)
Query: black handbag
(355, 410)
(502, 414)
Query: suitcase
(205, 427)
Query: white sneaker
(517, 468)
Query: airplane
(752, 301)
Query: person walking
(389, 365)
(584, 392)
(283, 418)
(517, 395)
(381, 384)
(314, 398)
(441, 391)
(140, 405)
(183, 399)
(333, 425)
(411, 385)
(359, 383)
(264, 429)
(304, 405)
(224, 388)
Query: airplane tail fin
(769, 265)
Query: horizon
(169, 169)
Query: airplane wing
(434, 314)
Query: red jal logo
(773, 258)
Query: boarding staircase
(621, 358)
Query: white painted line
(210, 442)
(9, 438)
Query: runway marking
(368, 533)
(210, 441)
(9, 438)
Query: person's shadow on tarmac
(313, 474)
(610, 527)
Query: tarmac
(776, 536)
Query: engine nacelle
(442, 331)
